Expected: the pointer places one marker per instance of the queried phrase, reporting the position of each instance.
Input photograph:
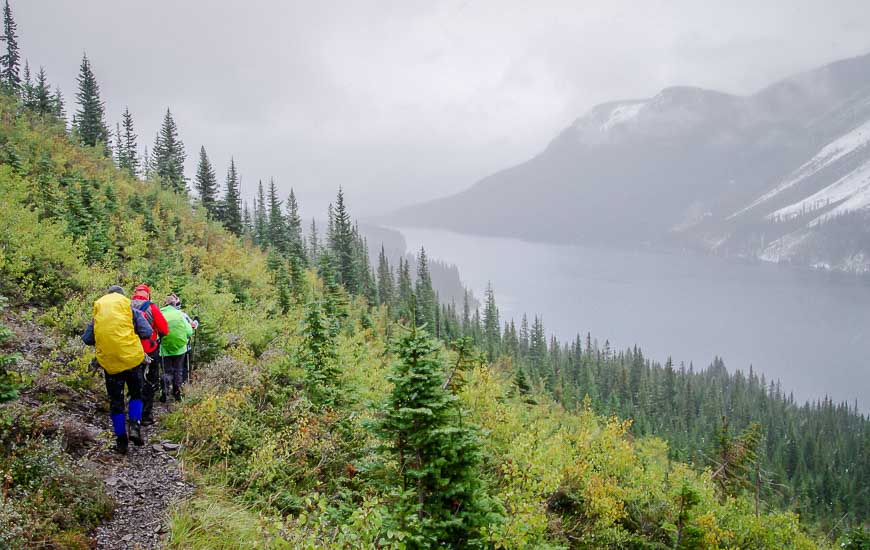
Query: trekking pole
(192, 361)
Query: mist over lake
(806, 328)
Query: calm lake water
(809, 329)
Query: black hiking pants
(150, 383)
(115, 384)
(173, 374)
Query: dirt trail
(144, 484)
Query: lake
(807, 328)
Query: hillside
(295, 432)
(773, 175)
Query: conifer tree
(42, 100)
(261, 222)
(405, 295)
(90, 117)
(58, 108)
(441, 500)
(313, 244)
(127, 144)
(247, 221)
(207, 186)
(119, 153)
(334, 303)
(169, 156)
(319, 358)
(11, 59)
(282, 282)
(297, 277)
(296, 242)
(231, 205)
(424, 292)
(147, 170)
(342, 245)
(276, 230)
(27, 87)
(385, 279)
(491, 324)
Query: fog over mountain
(403, 102)
(781, 174)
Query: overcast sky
(405, 100)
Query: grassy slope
(272, 469)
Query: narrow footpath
(145, 484)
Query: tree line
(812, 457)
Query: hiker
(194, 324)
(116, 331)
(173, 346)
(151, 377)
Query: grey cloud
(403, 101)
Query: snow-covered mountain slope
(767, 175)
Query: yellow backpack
(118, 346)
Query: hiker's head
(172, 300)
(115, 289)
(142, 291)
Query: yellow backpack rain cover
(118, 346)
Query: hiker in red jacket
(151, 373)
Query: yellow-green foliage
(580, 481)
(276, 470)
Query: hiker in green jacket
(173, 346)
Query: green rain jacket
(175, 343)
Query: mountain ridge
(694, 168)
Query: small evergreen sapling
(319, 357)
(441, 500)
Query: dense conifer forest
(342, 404)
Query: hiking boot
(176, 395)
(163, 397)
(148, 419)
(136, 432)
(121, 444)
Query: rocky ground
(144, 484)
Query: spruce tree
(247, 220)
(90, 117)
(297, 277)
(127, 142)
(169, 156)
(296, 242)
(342, 245)
(206, 185)
(119, 153)
(385, 279)
(491, 325)
(261, 224)
(424, 293)
(319, 357)
(58, 108)
(276, 230)
(282, 282)
(313, 244)
(11, 59)
(231, 205)
(27, 87)
(405, 294)
(42, 100)
(442, 500)
(147, 169)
